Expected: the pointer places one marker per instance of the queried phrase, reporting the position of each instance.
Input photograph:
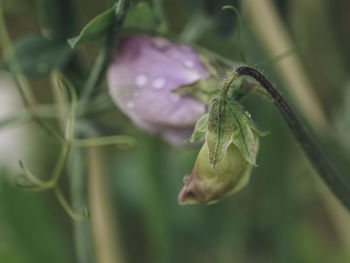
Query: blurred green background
(285, 214)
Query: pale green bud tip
(206, 185)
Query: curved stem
(228, 82)
(66, 206)
(320, 163)
(40, 185)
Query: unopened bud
(142, 79)
(207, 185)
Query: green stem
(82, 229)
(320, 163)
(228, 82)
(118, 140)
(15, 68)
(94, 77)
(41, 185)
(107, 244)
(65, 205)
(155, 212)
(49, 129)
(17, 117)
(61, 162)
(51, 111)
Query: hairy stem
(320, 163)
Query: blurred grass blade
(121, 141)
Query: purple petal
(141, 79)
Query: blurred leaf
(229, 123)
(10, 256)
(57, 17)
(17, 6)
(38, 56)
(34, 229)
(343, 119)
(141, 16)
(95, 29)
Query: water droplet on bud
(158, 83)
(141, 80)
(189, 64)
(130, 105)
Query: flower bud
(207, 185)
(142, 78)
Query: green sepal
(229, 123)
(258, 131)
(204, 89)
(200, 129)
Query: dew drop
(248, 114)
(141, 80)
(158, 83)
(130, 105)
(189, 64)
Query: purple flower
(141, 79)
